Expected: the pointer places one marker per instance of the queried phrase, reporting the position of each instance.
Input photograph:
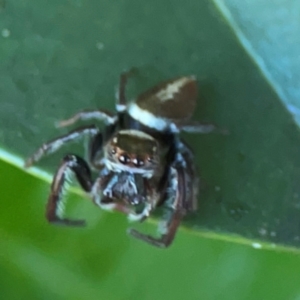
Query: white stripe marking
(172, 89)
(120, 107)
(149, 119)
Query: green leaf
(57, 58)
(41, 261)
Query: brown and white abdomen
(171, 101)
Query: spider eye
(150, 159)
(138, 162)
(124, 159)
(113, 151)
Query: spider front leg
(175, 214)
(70, 163)
(166, 238)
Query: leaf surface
(57, 58)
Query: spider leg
(121, 94)
(99, 115)
(175, 215)
(197, 127)
(95, 155)
(57, 143)
(192, 182)
(95, 149)
(96, 192)
(55, 206)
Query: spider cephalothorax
(139, 160)
(134, 151)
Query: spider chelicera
(139, 160)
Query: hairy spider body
(139, 159)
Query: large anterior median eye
(124, 159)
(138, 162)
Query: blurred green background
(57, 57)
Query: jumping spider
(139, 158)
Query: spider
(139, 160)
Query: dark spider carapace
(138, 159)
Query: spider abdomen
(168, 102)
